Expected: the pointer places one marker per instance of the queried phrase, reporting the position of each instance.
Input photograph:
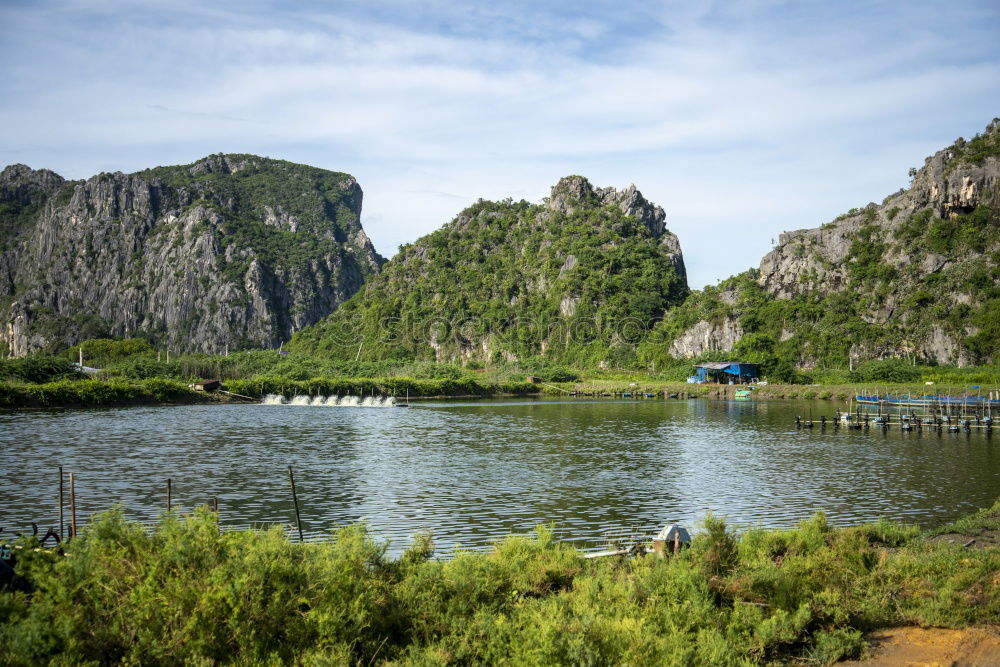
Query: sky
(741, 119)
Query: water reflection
(474, 471)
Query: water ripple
(473, 472)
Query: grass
(159, 390)
(92, 393)
(184, 593)
(830, 392)
(987, 519)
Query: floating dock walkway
(908, 414)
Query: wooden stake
(295, 500)
(677, 541)
(169, 493)
(215, 506)
(72, 504)
(61, 520)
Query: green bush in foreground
(186, 594)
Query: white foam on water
(332, 401)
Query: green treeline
(261, 385)
(184, 593)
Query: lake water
(471, 472)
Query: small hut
(727, 372)
(206, 385)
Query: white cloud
(738, 129)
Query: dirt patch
(984, 540)
(933, 647)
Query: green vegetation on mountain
(977, 149)
(512, 280)
(823, 326)
(237, 252)
(257, 198)
(916, 278)
(187, 593)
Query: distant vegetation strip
(186, 594)
(260, 386)
(130, 373)
(94, 393)
(153, 391)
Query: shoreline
(161, 392)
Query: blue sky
(741, 119)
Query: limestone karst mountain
(233, 250)
(575, 278)
(916, 277)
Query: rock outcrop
(573, 191)
(949, 184)
(705, 336)
(232, 251)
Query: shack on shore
(206, 385)
(727, 372)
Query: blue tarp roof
(727, 367)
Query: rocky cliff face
(231, 251)
(948, 185)
(915, 276)
(574, 279)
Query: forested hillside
(916, 277)
(576, 279)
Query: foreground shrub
(184, 593)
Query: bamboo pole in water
(295, 501)
(72, 504)
(61, 524)
(169, 494)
